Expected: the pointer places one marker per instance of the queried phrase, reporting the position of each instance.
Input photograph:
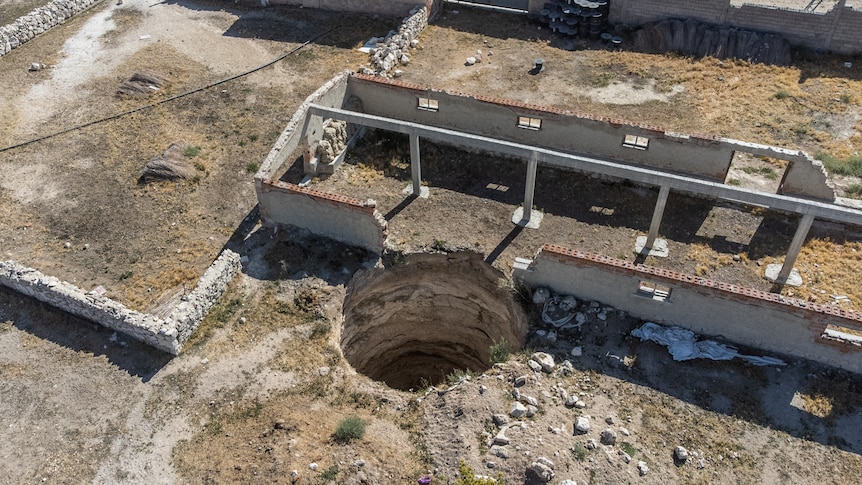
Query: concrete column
(657, 214)
(415, 168)
(795, 246)
(530, 189)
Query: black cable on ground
(172, 98)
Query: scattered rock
(580, 404)
(518, 410)
(482, 389)
(624, 432)
(571, 401)
(625, 456)
(582, 425)
(470, 61)
(546, 361)
(501, 439)
(591, 444)
(611, 420)
(680, 454)
(312, 466)
(36, 66)
(500, 419)
(531, 411)
(499, 451)
(530, 400)
(540, 471)
(608, 437)
(576, 352)
(520, 381)
(535, 366)
(643, 469)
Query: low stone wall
(742, 315)
(167, 335)
(395, 50)
(39, 20)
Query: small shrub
(200, 167)
(733, 182)
(191, 151)
(846, 98)
(252, 137)
(458, 375)
(841, 166)
(628, 448)
(767, 172)
(330, 473)
(251, 167)
(468, 477)
(320, 329)
(499, 351)
(854, 191)
(580, 452)
(349, 429)
(782, 94)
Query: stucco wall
(344, 219)
(561, 130)
(836, 30)
(741, 315)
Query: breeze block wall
(38, 21)
(742, 315)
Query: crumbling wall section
(345, 219)
(39, 20)
(394, 51)
(187, 316)
(742, 315)
(71, 299)
(167, 335)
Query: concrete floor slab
(772, 270)
(659, 247)
(424, 193)
(535, 218)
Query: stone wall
(742, 315)
(39, 20)
(167, 335)
(394, 51)
(837, 30)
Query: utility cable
(172, 98)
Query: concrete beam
(530, 188)
(637, 174)
(415, 167)
(795, 246)
(657, 214)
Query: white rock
(404, 60)
(624, 432)
(501, 439)
(535, 366)
(564, 482)
(499, 451)
(582, 425)
(591, 444)
(530, 400)
(577, 352)
(643, 469)
(680, 454)
(625, 456)
(312, 466)
(520, 381)
(531, 411)
(571, 401)
(414, 43)
(541, 471)
(545, 360)
(580, 404)
(470, 61)
(544, 461)
(518, 410)
(500, 419)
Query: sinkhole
(418, 321)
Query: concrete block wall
(837, 30)
(344, 219)
(742, 315)
(38, 21)
(167, 335)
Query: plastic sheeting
(683, 345)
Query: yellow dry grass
(830, 267)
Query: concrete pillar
(795, 246)
(530, 189)
(415, 168)
(657, 214)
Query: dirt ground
(262, 386)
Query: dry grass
(829, 267)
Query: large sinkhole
(420, 320)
